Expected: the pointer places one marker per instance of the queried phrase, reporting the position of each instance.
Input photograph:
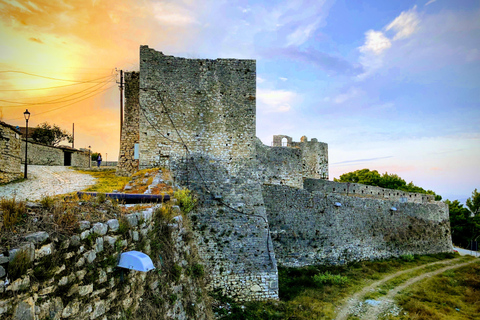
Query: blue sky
(389, 85)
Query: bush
(12, 212)
(47, 202)
(328, 278)
(407, 257)
(186, 200)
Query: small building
(10, 153)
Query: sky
(392, 86)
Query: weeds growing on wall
(186, 200)
(12, 212)
(19, 265)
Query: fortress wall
(231, 228)
(361, 190)
(10, 156)
(278, 165)
(127, 164)
(307, 228)
(212, 106)
(314, 158)
(211, 103)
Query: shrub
(407, 257)
(186, 200)
(64, 218)
(328, 278)
(12, 212)
(47, 202)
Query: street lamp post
(26, 114)
(89, 158)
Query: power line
(67, 104)
(50, 78)
(54, 101)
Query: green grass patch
(452, 295)
(106, 182)
(301, 297)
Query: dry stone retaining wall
(10, 156)
(77, 277)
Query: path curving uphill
(373, 310)
(47, 181)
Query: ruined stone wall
(211, 103)
(311, 228)
(209, 107)
(127, 164)
(313, 158)
(361, 190)
(279, 165)
(10, 154)
(76, 277)
(80, 159)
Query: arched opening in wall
(284, 142)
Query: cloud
(350, 94)
(273, 101)
(405, 24)
(322, 60)
(260, 80)
(35, 40)
(360, 160)
(375, 42)
(302, 34)
(430, 2)
(173, 14)
(283, 79)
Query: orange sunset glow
(60, 60)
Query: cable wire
(50, 78)
(58, 100)
(67, 104)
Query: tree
(386, 180)
(473, 203)
(461, 225)
(465, 222)
(50, 135)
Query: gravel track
(356, 303)
(47, 181)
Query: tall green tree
(50, 135)
(465, 222)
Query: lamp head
(26, 114)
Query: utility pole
(73, 135)
(121, 102)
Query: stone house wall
(310, 228)
(76, 277)
(10, 154)
(42, 155)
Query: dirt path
(374, 308)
